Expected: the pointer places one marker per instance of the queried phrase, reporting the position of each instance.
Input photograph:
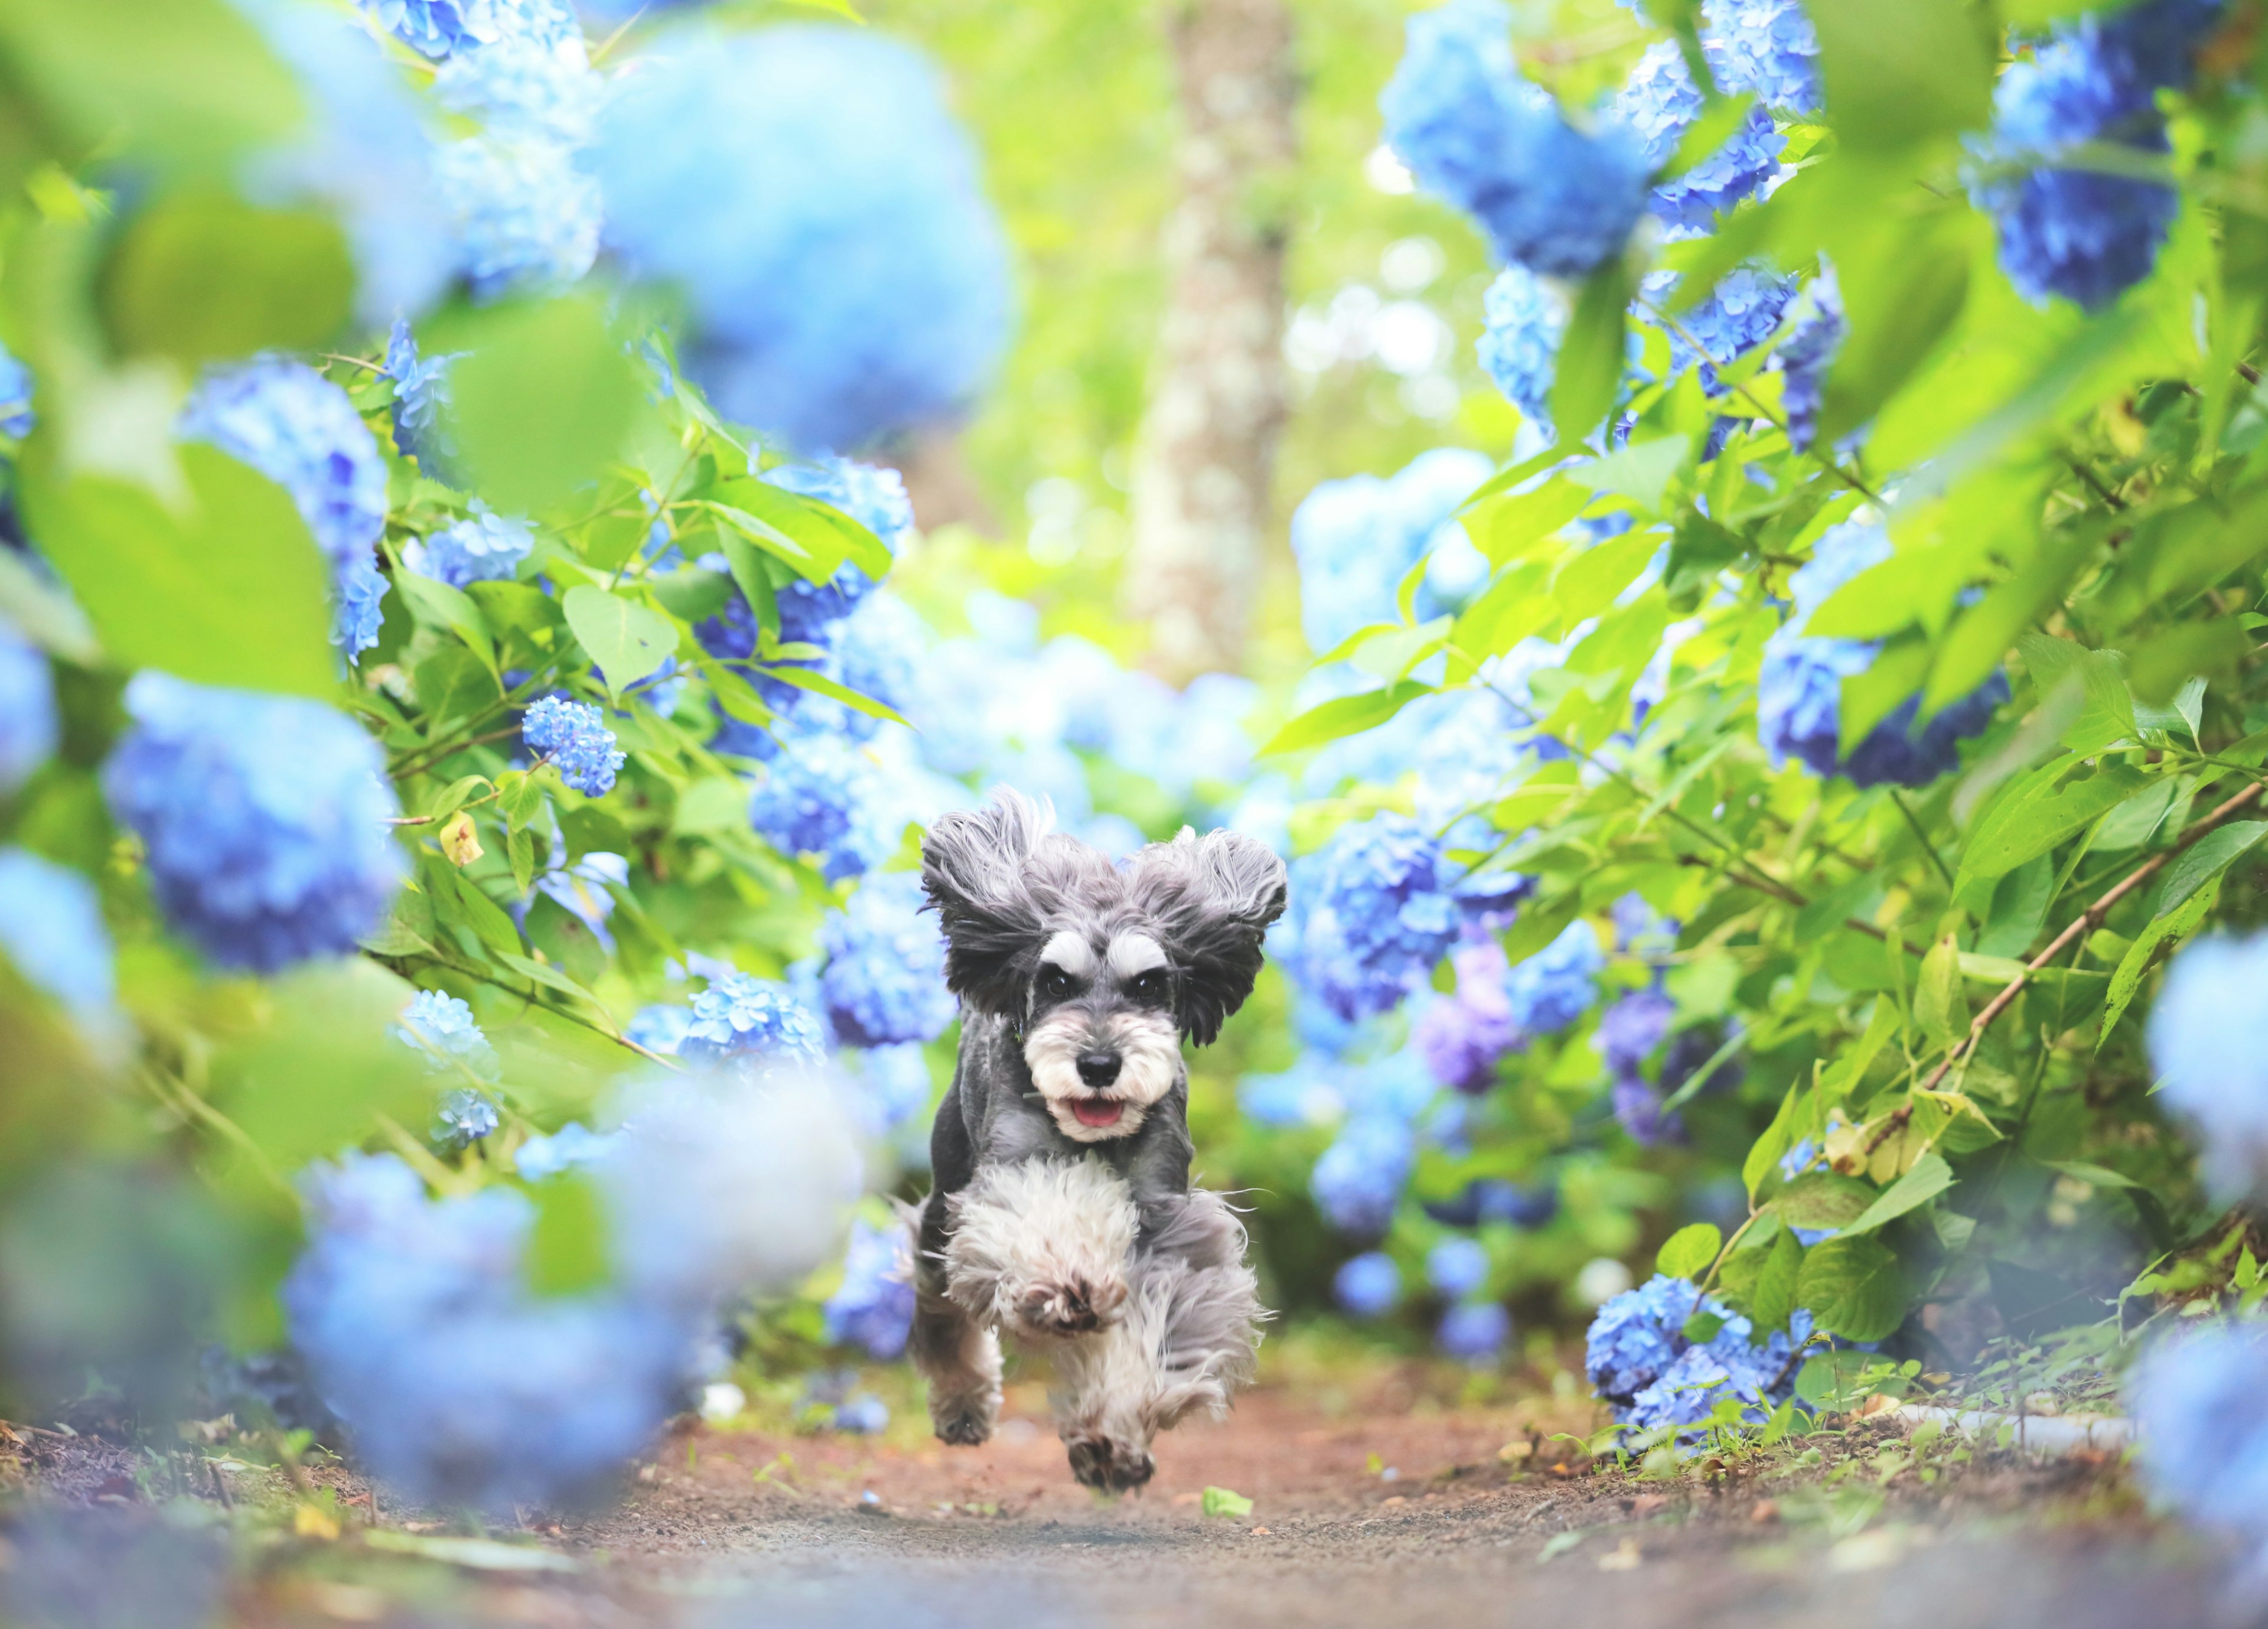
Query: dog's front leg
(1040, 1247)
(957, 1354)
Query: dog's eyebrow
(1068, 951)
(1133, 953)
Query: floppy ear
(1212, 898)
(973, 872)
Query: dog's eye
(1150, 986)
(1055, 982)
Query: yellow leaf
(460, 841)
(315, 1521)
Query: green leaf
(324, 1023)
(1904, 282)
(1822, 1198)
(2205, 859)
(827, 535)
(1509, 477)
(693, 596)
(567, 1245)
(1940, 1007)
(1774, 1299)
(453, 683)
(1687, 1253)
(753, 582)
(1220, 1501)
(819, 684)
(1588, 584)
(201, 275)
(1703, 1327)
(2023, 827)
(2161, 666)
(543, 399)
(1897, 75)
(1344, 715)
(2108, 712)
(626, 640)
(1641, 472)
(2178, 924)
(178, 589)
(520, 799)
(438, 605)
(1768, 1150)
(1504, 528)
(1853, 1287)
(711, 806)
(1927, 1178)
(479, 912)
(1869, 698)
(1591, 353)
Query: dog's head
(1101, 969)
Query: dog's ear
(1212, 898)
(973, 870)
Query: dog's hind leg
(1188, 1341)
(959, 1355)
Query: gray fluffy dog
(1061, 1209)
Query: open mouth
(1097, 1111)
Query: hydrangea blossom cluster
(1474, 1331)
(1658, 103)
(17, 417)
(51, 930)
(29, 726)
(873, 1309)
(1370, 912)
(1463, 1037)
(2200, 1398)
(1640, 1363)
(1478, 135)
(442, 1029)
(1358, 1179)
(885, 977)
(1554, 987)
(572, 1146)
(302, 433)
(421, 403)
(1765, 45)
(1457, 1266)
(2207, 1045)
(1742, 313)
(1805, 354)
(1629, 1032)
(263, 820)
(465, 1117)
(1526, 319)
(751, 1022)
(821, 795)
(572, 735)
(434, 27)
(1357, 539)
(1368, 1285)
(484, 547)
(807, 189)
(1800, 689)
(2083, 233)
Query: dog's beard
(1149, 1048)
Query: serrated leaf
(1940, 1007)
(626, 640)
(1590, 583)
(482, 914)
(1687, 1253)
(1928, 1176)
(1766, 1153)
(1817, 1199)
(2024, 827)
(1343, 716)
(1590, 366)
(1853, 1287)
(1507, 528)
(2175, 925)
(1703, 1327)
(438, 605)
(1774, 1298)
(519, 854)
(2205, 859)
(1641, 472)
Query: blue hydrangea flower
(51, 929)
(17, 417)
(484, 547)
(435, 27)
(465, 1117)
(263, 820)
(876, 498)
(1640, 1363)
(534, 79)
(660, 1027)
(1805, 356)
(1464, 1037)
(1800, 688)
(1765, 46)
(2200, 1399)
(365, 154)
(821, 796)
(1658, 103)
(459, 1386)
(302, 431)
(874, 1307)
(443, 1028)
(1358, 1180)
(29, 724)
(1554, 987)
(1357, 539)
(527, 212)
(1479, 135)
(1370, 913)
(885, 977)
(572, 1146)
(83, 1566)
(1742, 313)
(1457, 1266)
(1474, 1331)
(861, 1414)
(570, 733)
(1638, 1109)
(1527, 318)
(1367, 1284)
(2209, 1045)
(895, 1085)
(421, 403)
(743, 1019)
(806, 187)
(1633, 1026)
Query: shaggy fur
(1062, 1210)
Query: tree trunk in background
(1208, 442)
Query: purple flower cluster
(1372, 911)
(1463, 1037)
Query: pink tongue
(1097, 1113)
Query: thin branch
(1922, 836)
(1788, 896)
(2083, 925)
(2094, 481)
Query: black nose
(1098, 1069)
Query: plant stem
(2086, 922)
(1922, 836)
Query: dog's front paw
(1072, 1306)
(962, 1425)
(1110, 1466)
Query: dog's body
(1060, 1208)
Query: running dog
(1060, 1209)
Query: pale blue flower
(1659, 103)
(873, 1307)
(2209, 1045)
(484, 547)
(1367, 1284)
(1527, 318)
(742, 1019)
(442, 1027)
(1359, 1178)
(885, 977)
(51, 929)
(1474, 1331)
(1457, 1266)
(29, 724)
(569, 734)
(526, 214)
(1765, 46)
(1553, 988)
